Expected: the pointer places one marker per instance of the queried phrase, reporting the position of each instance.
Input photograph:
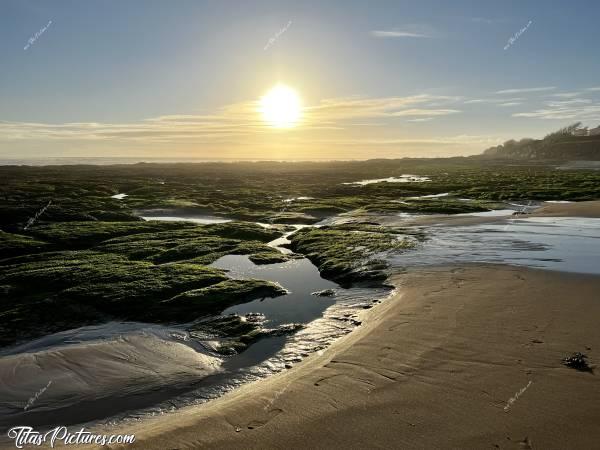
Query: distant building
(586, 132)
(594, 131)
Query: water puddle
(400, 179)
(169, 215)
(119, 196)
(296, 199)
(445, 194)
(570, 244)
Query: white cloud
(574, 101)
(463, 139)
(337, 109)
(407, 31)
(397, 34)
(511, 104)
(563, 111)
(567, 94)
(425, 112)
(523, 90)
(493, 100)
(420, 119)
(232, 123)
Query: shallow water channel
(127, 370)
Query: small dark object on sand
(324, 293)
(577, 361)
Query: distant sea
(103, 161)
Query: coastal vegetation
(71, 254)
(88, 272)
(272, 192)
(566, 144)
(350, 253)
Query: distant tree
(562, 132)
(526, 141)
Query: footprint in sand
(270, 415)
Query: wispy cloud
(565, 110)
(407, 31)
(492, 100)
(232, 123)
(420, 119)
(524, 90)
(338, 109)
(567, 94)
(596, 88)
(573, 101)
(328, 127)
(397, 34)
(425, 112)
(510, 104)
(463, 139)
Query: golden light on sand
(281, 107)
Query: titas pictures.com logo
(24, 436)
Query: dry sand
(435, 366)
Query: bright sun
(281, 107)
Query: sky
(376, 79)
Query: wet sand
(82, 381)
(458, 220)
(578, 209)
(435, 366)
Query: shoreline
(432, 367)
(587, 209)
(460, 356)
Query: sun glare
(281, 107)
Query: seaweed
(347, 253)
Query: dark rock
(577, 361)
(324, 293)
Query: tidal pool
(172, 215)
(445, 194)
(119, 196)
(399, 179)
(570, 244)
(126, 370)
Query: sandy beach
(463, 356)
(576, 209)
(299, 225)
(436, 366)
